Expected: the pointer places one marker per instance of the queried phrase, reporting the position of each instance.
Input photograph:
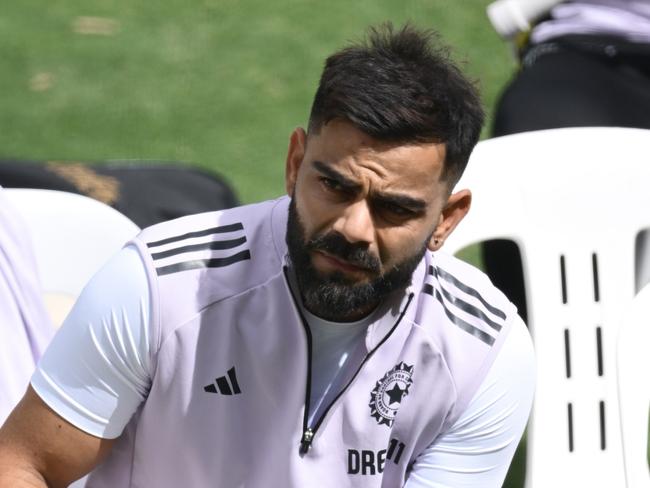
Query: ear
(457, 207)
(295, 155)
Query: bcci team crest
(388, 393)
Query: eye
(331, 184)
(393, 212)
(396, 210)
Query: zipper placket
(308, 432)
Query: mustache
(336, 245)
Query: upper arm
(477, 450)
(97, 370)
(35, 443)
(88, 384)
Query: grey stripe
(199, 233)
(467, 327)
(470, 309)
(467, 289)
(212, 245)
(204, 263)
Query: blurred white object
(574, 200)
(633, 363)
(72, 236)
(508, 17)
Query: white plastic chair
(72, 236)
(634, 389)
(574, 201)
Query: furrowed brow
(414, 204)
(335, 175)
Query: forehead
(359, 156)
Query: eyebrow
(414, 204)
(345, 182)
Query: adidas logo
(223, 386)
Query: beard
(334, 296)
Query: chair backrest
(574, 201)
(72, 236)
(633, 362)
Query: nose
(356, 224)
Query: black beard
(333, 296)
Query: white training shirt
(473, 453)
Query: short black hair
(401, 85)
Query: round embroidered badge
(387, 396)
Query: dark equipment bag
(146, 192)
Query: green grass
(217, 83)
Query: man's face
(362, 215)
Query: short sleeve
(477, 450)
(97, 370)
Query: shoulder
(478, 448)
(466, 319)
(466, 297)
(203, 258)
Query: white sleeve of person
(476, 452)
(96, 371)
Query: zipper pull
(305, 442)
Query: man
(321, 340)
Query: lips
(337, 263)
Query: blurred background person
(25, 327)
(587, 64)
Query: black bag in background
(147, 193)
